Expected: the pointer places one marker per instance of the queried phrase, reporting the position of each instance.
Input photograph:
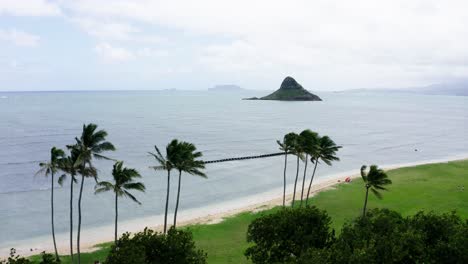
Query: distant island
(455, 88)
(290, 90)
(226, 88)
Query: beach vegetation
(177, 246)
(309, 141)
(325, 151)
(70, 168)
(188, 161)
(90, 145)
(51, 168)
(385, 236)
(166, 163)
(298, 151)
(288, 233)
(287, 146)
(374, 180)
(124, 182)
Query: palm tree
(375, 179)
(287, 147)
(326, 152)
(123, 183)
(51, 168)
(309, 141)
(68, 166)
(188, 163)
(90, 145)
(166, 163)
(298, 151)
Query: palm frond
(363, 172)
(103, 186)
(132, 197)
(135, 186)
(377, 193)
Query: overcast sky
(196, 44)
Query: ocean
(373, 128)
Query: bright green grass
(431, 187)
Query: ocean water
(372, 128)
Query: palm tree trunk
(284, 178)
(167, 200)
(116, 217)
(304, 178)
(71, 218)
(79, 220)
(52, 216)
(365, 202)
(295, 182)
(177, 201)
(311, 179)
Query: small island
(290, 90)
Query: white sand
(206, 215)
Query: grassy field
(433, 187)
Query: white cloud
(150, 52)
(29, 8)
(326, 37)
(330, 42)
(113, 54)
(19, 38)
(116, 31)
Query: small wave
(3, 97)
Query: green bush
(14, 259)
(384, 236)
(48, 259)
(156, 248)
(287, 234)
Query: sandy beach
(204, 215)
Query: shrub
(15, 259)
(287, 234)
(156, 248)
(48, 259)
(384, 236)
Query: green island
(290, 90)
(436, 187)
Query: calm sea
(372, 128)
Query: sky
(141, 44)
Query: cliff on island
(290, 90)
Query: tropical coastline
(211, 214)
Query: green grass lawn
(431, 187)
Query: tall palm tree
(51, 167)
(69, 166)
(286, 146)
(298, 151)
(326, 152)
(375, 180)
(309, 141)
(124, 181)
(167, 163)
(187, 162)
(91, 144)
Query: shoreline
(211, 214)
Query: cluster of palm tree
(78, 165)
(306, 146)
(79, 162)
(182, 157)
